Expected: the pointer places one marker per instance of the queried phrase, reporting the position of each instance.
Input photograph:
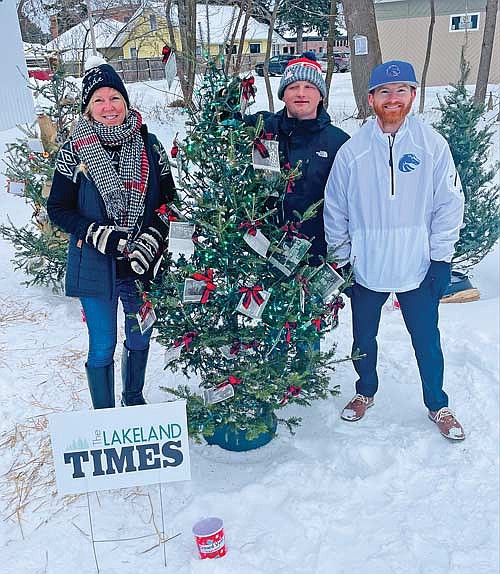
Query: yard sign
(122, 447)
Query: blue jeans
(101, 317)
(419, 308)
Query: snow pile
(384, 495)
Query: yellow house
(146, 33)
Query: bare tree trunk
(360, 21)
(248, 12)
(170, 26)
(234, 33)
(330, 41)
(483, 72)
(207, 14)
(300, 41)
(187, 57)
(423, 79)
(272, 21)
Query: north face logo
(322, 153)
(408, 162)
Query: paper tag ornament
(16, 187)
(35, 145)
(258, 242)
(146, 317)
(272, 161)
(47, 186)
(226, 351)
(216, 395)
(180, 239)
(172, 354)
(193, 291)
(289, 253)
(253, 302)
(326, 281)
(170, 69)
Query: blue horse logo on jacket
(408, 162)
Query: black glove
(106, 239)
(146, 249)
(439, 277)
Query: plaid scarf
(124, 192)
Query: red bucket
(209, 536)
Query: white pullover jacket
(393, 203)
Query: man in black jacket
(305, 134)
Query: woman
(110, 178)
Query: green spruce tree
(469, 135)
(40, 247)
(257, 364)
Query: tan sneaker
(356, 408)
(447, 424)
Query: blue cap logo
(393, 71)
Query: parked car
(342, 61)
(277, 64)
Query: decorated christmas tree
(236, 302)
(469, 135)
(40, 248)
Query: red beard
(390, 117)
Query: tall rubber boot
(133, 374)
(102, 385)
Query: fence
(144, 69)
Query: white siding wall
(405, 38)
(16, 101)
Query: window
(153, 22)
(234, 49)
(285, 49)
(134, 53)
(463, 22)
(254, 48)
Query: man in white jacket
(393, 212)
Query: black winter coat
(315, 143)
(73, 206)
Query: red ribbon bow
(336, 304)
(252, 293)
(290, 185)
(292, 230)
(248, 89)
(289, 326)
(251, 226)
(232, 380)
(303, 281)
(260, 147)
(186, 339)
(164, 210)
(209, 284)
(175, 148)
(253, 345)
(292, 391)
(235, 347)
(334, 308)
(317, 323)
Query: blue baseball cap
(392, 72)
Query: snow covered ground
(386, 495)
